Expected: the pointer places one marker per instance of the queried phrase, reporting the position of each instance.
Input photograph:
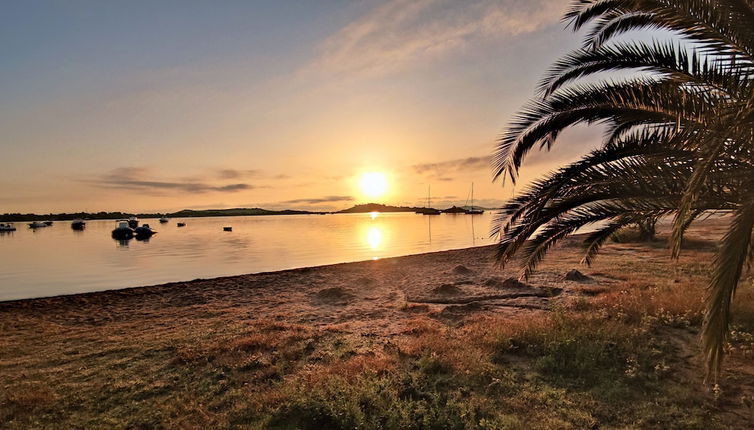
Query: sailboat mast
(428, 194)
(472, 196)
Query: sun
(373, 184)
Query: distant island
(190, 213)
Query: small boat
(48, 223)
(123, 231)
(429, 210)
(7, 227)
(133, 222)
(455, 210)
(227, 228)
(78, 224)
(163, 220)
(37, 224)
(144, 232)
(181, 224)
(473, 211)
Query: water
(58, 260)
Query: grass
(624, 358)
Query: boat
(227, 228)
(428, 210)
(78, 224)
(144, 232)
(133, 222)
(181, 224)
(7, 227)
(123, 231)
(48, 223)
(455, 210)
(163, 220)
(37, 224)
(473, 211)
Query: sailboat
(473, 211)
(429, 210)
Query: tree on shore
(679, 137)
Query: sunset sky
(165, 105)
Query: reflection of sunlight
(374, 214)
(374, 237)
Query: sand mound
(575, 275)
(334, 295)
(462, 270)
(446, 289)
(364, 281)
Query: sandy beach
(97, 359)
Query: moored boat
(7, 227)
(144, 232)
(48, 223)
(227, 228)
(78, 224)
(163, 220)
(123, 231)
(37, 224)
(181, 224)
(133, 222)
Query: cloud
(138, 179)
(441, 170)
(399, 32)
(313, 201)
(235, 173)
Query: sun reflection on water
(374, 237)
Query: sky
(163, 105)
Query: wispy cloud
(141, 179)
(236, 174)
(441, 171)
(399, 32)
(319, 200)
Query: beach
(226, 352)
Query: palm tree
(679, 137)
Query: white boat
(7, 227)
(37, 224)
(123, 231)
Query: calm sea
(58, 260)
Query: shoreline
(226, 277)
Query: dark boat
(473, 211)
(123, 231)
(78, 224)
(428, 210)
(48, 223)
(144, 232)
(455, 210)
(133, 222)
(227, 228)
(181, 224)
(163, 220)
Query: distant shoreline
(190, 213)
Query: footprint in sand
(462, 270)
(334, 296)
